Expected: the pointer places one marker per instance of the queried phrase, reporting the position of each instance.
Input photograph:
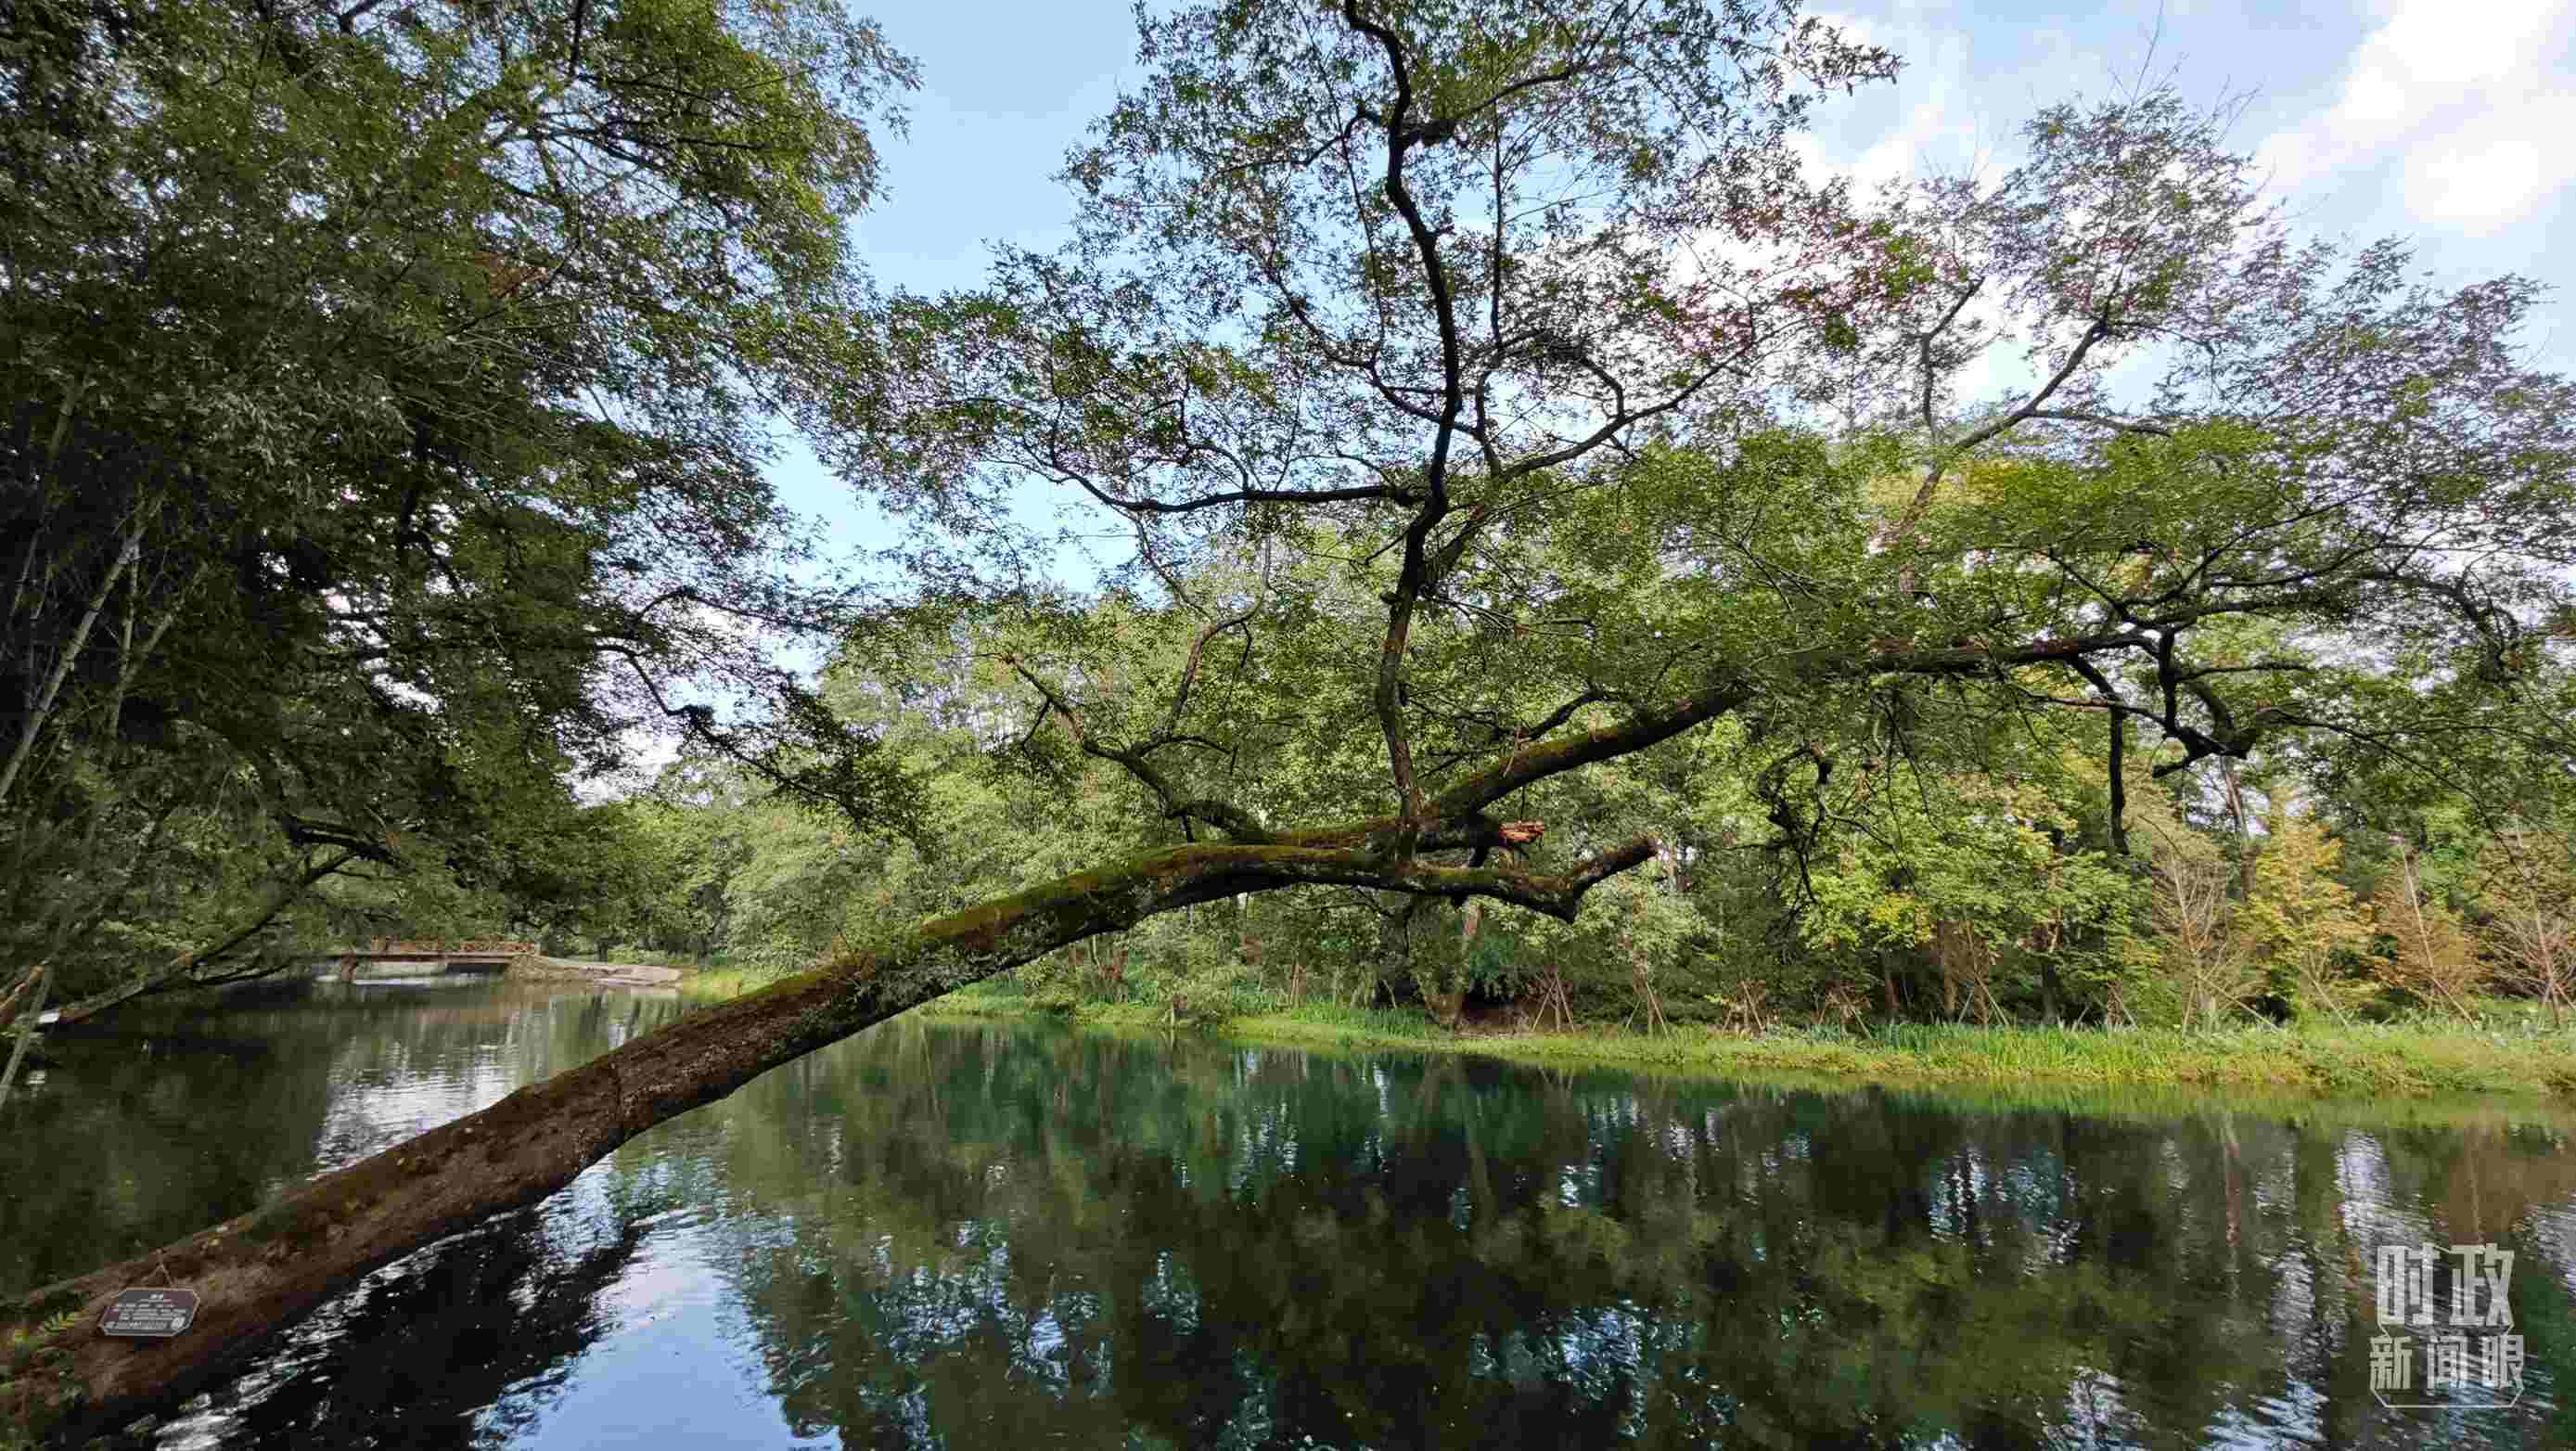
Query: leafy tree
(1535, 306)
(2299, 919)
(2435, 960)
(2201, 943)
(387, 412)
(2531, 896)
(1966, 870)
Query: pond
(965, 1234)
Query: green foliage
(1929, 706)
(384, 438)
(2529, 890)
(2300, 920)
(2431, 958)
(1533, 471)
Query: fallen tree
(262, 1271)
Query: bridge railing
(435, 946)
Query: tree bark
(27, 1029)
(257, 1274)
(40, 699)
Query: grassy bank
(2417, 1059)
(717, 983)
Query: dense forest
(1970, 875)
(1471, 515)
(1960, 866)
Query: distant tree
(2435, 959)
(2201, 943)
(2300, 919)
(2530, 894)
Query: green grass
(2517, 1055)
(717, 983)
(2383, 1061)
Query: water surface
(977, 1235)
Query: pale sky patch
(2468, 102)
(2494, 169)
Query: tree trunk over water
(258, 1274)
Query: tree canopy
(389, 394)
(1529, 324)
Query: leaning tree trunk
(259, 1273)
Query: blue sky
(2451, 121)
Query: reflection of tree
(135, 1138)
(164, 1119)
(464, 1344)
(159, 1121)
(972, 1235)
(979, 1236)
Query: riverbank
(2411, 1060)
(605, 974)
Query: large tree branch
(1415, 576)
(1730, 688)
(1190, 669)
(2101, 420)
(1931, 375)
(1352, 494)
(1553, 758)
(1921, 504)
(1225, 816)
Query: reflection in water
(157, 1124)
(483, 1330)
(943, 1235)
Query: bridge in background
(472, 952)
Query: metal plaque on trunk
(158, 1313)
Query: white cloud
(2466, 99)
(2492, 171)
(1930, 120)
